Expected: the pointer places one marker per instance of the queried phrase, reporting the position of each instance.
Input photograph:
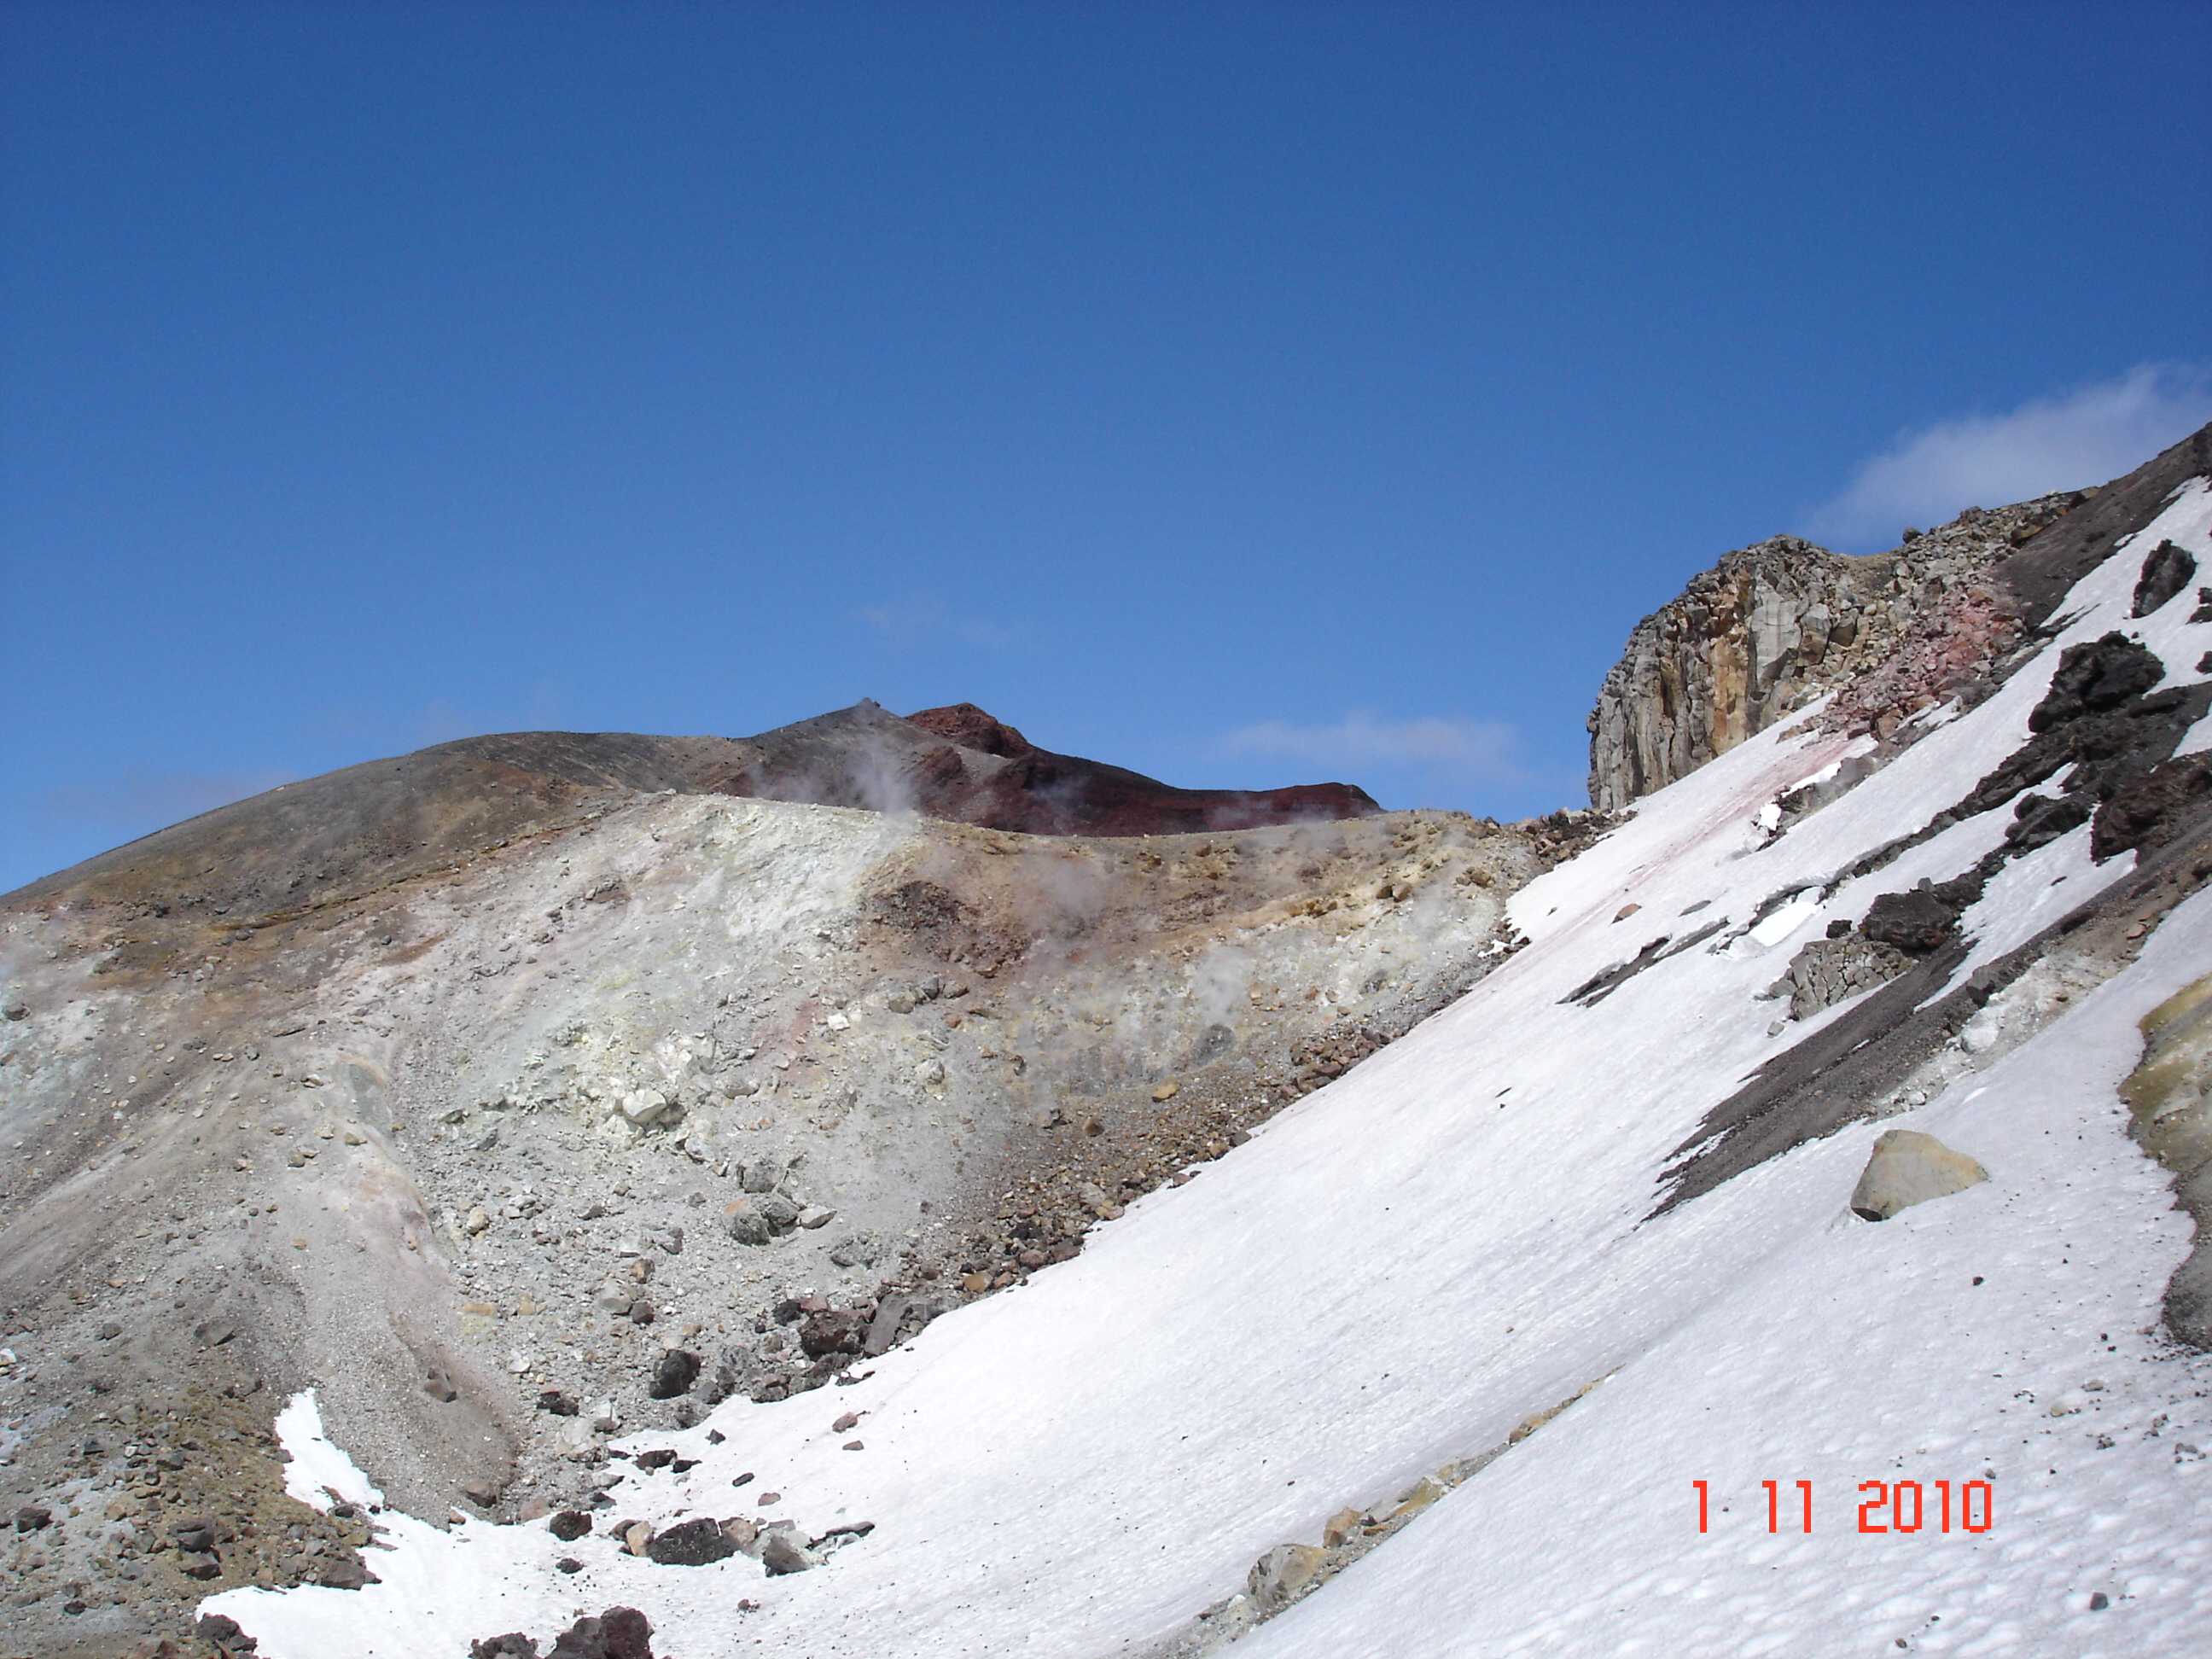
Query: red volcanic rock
(1039, 793)
(963, 764)
(972, 728)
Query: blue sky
(1248, 394)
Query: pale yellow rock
(1417, 1497)
(1282, 1573)
(1908, 1168)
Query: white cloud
(2087, 436)
(1444, 745)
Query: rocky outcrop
(1776, 624)
(1827, 970)
(2169, 1096)
(506, 1129)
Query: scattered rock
(570, 1525)
(883, 1330)
(781, 1555)
(221, 1632)
(746, 1225)
(778, 1212)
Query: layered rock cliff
(1776, 624)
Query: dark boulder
(2165, 573)
(837, 1331)
(2152, 808)
(677, 1370)
(1916, 923)
(347, 1573)
(617, 1633)
(513, 1646)
(2038, 820)
(221, 1634)
(570, 1525)
(693, 1543)
(2097, 675)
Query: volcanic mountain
(880, 1188)
(351, 831)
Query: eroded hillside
(584, 1107)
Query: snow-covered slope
(1460, 1234)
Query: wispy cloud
(2081, 437)
(146, 800)
(1442, 746)
(920, 620)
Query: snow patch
(320, 1474)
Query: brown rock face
(1774, 625)
(1777, 624)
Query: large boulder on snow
(2167, 570)
(1908, 1168)
(1915, 923)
